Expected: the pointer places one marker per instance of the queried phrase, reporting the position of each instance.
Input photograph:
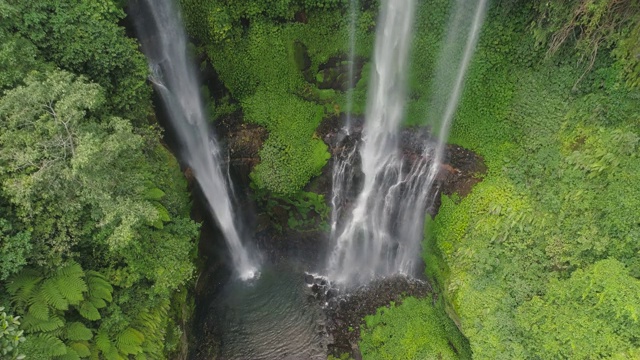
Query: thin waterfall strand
(353, 16)
(164, 41)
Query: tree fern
(45, 300)
(32, 324)
(88, 311)
(129, 341)
(43, 346)
(78, 331)
(22, 285)
(81, 348)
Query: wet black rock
(332, 293)
(308, 279)
(346, 311)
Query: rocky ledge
(345, 310)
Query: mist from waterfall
(164, 41)
(380, 234)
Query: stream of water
(164, 41)
(353, 17)
(275, 316)
(362, 243)
(381, 233)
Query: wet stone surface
(346, 309)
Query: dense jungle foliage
(96, 241)
(540, 261)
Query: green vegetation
(541, 259)
(11, 336)
(262, 64)
(305, 210)
(83, 37)
(95, 233)
(416, 329)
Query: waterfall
(353, 14)
(448, 86)
(165, 44)
(362, 245)
(381, 234)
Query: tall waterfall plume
(363, 242)
(381, 232)
(164, 41)
(353, 17)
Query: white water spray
(382, 234)
(444, 107)
(353, 17)
(363, 244)
(164, 40)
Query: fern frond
(39, 311)
(112, 354)
(70, 355)
(59, 332)
(129, 341)
(102, 341)
(163, 213)
(88, 311)
(32, 324)
(70, 283)
(97, 302)
(72, 289)
(99, 287)
(21, 286)
(81, 348)
(153, 194)
(50, 295)
(95, 274)
(44, 346)
(72, 269)
(153, 322)
(78, 331)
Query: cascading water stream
(361, 248)
(452, 54)
(165, 45)
(382, 234)
(353, 16)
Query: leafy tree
(84, 37)
(58, 162)
(15, 247)
(41, 122)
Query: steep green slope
(545, 248)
